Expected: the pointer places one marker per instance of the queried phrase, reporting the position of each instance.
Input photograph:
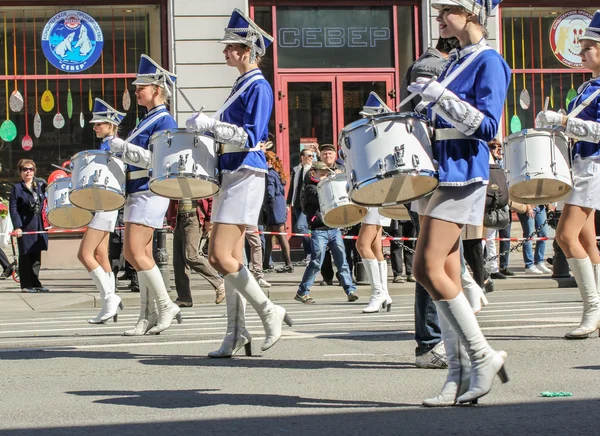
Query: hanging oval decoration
(515, 124)
(81, 120)
(69, 102)
(8, 131)
(16, 101)
(525, 99)
(47, 100)
(37, 125)
(27, 143)
(58, 121)
(126, 100)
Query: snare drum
(98, 181)
(397, 212)
(184, 165)
(61, 213)
(537, 162)
(336, 208)
(388, 158)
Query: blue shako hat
(150, 73)
(593, 30)
(242, 30)
(483, 8)
(374, 106)
(104, 113)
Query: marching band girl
(93, 250)
(466, 114)
(242, 126)
(576, 233)
(145, 211)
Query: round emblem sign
(72, 41)
(564, 36)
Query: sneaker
(285, 269)
(398, 279)
(306, 299)
(42, 289)
(352, 296)
(303, 262)
(326, 283)
(543, 268)
(488, 286)
(220, 294)
(498, 275)
(30, 290)
(410, 278)
(263, 283)
(434, 358)
(180, 303)
(532, 270)
(507, 272)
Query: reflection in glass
(355, 96)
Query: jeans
(320, 239)
(301, 226)
(529, 225)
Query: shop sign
(72, 41)
(564, 36)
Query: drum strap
(135, 175)
(583, 105)
(449, 134)
(146, 125)
(230, 148)
(252, 77)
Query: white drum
(537, 162)
(61, 213)
(98, 181)
(184, 165)
(389, 159)
(336, 208)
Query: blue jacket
(275, 199)
(22, 214)
(252, 111)
(591, 113)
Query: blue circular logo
(72, 41)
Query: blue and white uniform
(466, 116)
(104, 221)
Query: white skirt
(455, 204)
(145, 208)
(586, 184)
(104, 221)
(373, 217)
(240, 199)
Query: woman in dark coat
(276, 211)
(26, 202)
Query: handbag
(496, 219)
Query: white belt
(135, 175)
(447, 134)
(230, 148)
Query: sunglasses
(27, 169)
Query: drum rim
(383, 117)
(535, 132)
(97, 152)
(121, 194)
(178, 130)
(55, 182)
(350, 223)
(91, 216)
(372, 180)
(212, 180)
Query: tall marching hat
(374, 106)
(150, 73)
(242, 30)
(482, 8)
(593, 30)
(104, 113)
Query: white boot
(485, 362)
(236, 335)
(459, 369)
(148, 316)
(271, 315)
(111, 303)
(586, 276)
(473, 292)
(383, 274)
(167, 310)
(377, 296)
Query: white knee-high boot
(148, 316)
(236, 335)
(271, 315)
(459, 369)
(586, 276)
(473, 292)
(383, 274)
(167, 310)
(377, 296)
(485, 362)
(111, 303)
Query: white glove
(199, 123)
(548, 119)
(117, 145)
(430, 91)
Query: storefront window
(128, 32)
(541, 46)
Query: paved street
(337, 371)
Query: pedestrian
(321, 237)
(93, 249)
(190, 219)
(575, 233)
(466, 113)
(299, 223)
(276, 209)
(255, 255)
(243, 125)
(25, 205)
(533, 222)
(401, 251)
(144, 210)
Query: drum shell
(97, 181)
(388, 159)
(184, 164)
(537, 163)
(336, 208)
(61, 213)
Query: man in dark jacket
(322, 236)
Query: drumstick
(61, 168)
(546, 103)
(414, 94)
(186, 99)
